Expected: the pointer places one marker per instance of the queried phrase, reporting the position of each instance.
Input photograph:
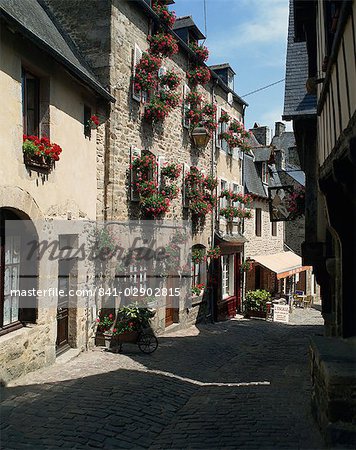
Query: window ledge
(17, 333)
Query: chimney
(262, 134)
(279, 128)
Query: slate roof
(31, 20)
(253, 182)
(284, 141)
(187, 22)
(222, 66)
(297, 102)
(262, 153)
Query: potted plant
(198, 75)
(146, 72)
(163, 44)
(201, 52)
(197, 289)
(171, 171)
(171, 80)
(94, 122)
(166, 16)
(130, 320)
(256, 303)
(104, 323)
(40, 153)
(213, 253)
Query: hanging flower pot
(166, 16)
(201, 52)
(163, 44)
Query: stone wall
(265, 244)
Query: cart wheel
(147, 343)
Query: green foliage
(256, 300)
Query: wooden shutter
(258, 221)
(136, 95)
(186, 169)
(134, 153)
(186, 105)
(230, 98)
(219, 129)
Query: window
(274, 228)
(264, 173)
(198, 268)
(223, 200)
(30, 103)
(224, 128)
(87, 116)
(227, 262)
(258, 222)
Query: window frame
(25, 76)
(274, 229)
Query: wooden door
(170, 310)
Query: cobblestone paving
(241, 384)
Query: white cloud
(267, 25)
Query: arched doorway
(18, 270)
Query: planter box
(130, 336)
(99, 340)
(38, 163)
(254, 313)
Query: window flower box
(39, 153)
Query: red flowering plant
(224, 118)
(209, 118)
(198, 255)
(170, 191)
(246, 266)
(201, 52)
(94, 121)
(160, 106)
(145, 163)
(171, 79)
(163, 44)
(132, 318)
(166, 16)
(146, 72)
(42, 149)
(231, 212)
(236, 136)
(210, 183)
(155, 205)
(194, 98)
(198, 288)
(210, 198)
(213, 253)
(171, 171)
(199, 75)
(200, 208)
(295, 203)
(146, 188)
(104, 322)
(242, 198)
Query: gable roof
(188, 22)
(253, 182)
(297, 102)
(262, 154)
(33, 21)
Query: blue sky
(251, 35)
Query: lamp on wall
(200, 137)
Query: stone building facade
(108, 38)
(46, 91)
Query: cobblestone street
(239, 384)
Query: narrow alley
(238, 384)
